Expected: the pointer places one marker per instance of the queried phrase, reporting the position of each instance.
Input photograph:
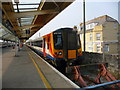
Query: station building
(102, 35)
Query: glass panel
(28, 10)
(15, 6)
(1, 40)
(8, 36)
(29, 18)
(78, 42)
(90, 47)
(15, 10)
(98, 49)
(97, 36)
(2, 32)
(90, 36)
(28, 6)
(25, 6)
(27, 1)
(58, 40)
(26, 20)
(106, 48)
(25, 23)
(72, 40)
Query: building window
(98, 48)
(90, 48)
(90, 36)
(115, 25)
(91, 25)
(106, 48)
(97, 36)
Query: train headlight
(60, 53)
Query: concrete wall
(119, 45)
(110, 31)
(112, 60)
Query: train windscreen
(72, 41)
(58, 44)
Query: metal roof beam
(30, 13)
(27, 26)
(39, 8)
(29, 4)
(33, 29)
(25, 8)
(6, 15)
(23, 38)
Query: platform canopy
(24, 18)
(7, 35)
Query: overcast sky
(73, 15)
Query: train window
(35, 44)
(78, 41)
(39, 43)
(48, 42)
(72, 41)
(44, 43)
(58, 41)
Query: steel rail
(100, 85)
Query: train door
(47, 45)
(70, 44)
(46, 41)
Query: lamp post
(15, 46)
(84, 26)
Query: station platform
(28, 70)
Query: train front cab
(66, 47)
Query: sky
(73, 14)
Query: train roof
(67, 28)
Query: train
(62, 47)
(6, 44)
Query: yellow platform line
(41, 74)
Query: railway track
(89, 76)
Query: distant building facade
(102, 35)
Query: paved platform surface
(19, 72)
(28, 70)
